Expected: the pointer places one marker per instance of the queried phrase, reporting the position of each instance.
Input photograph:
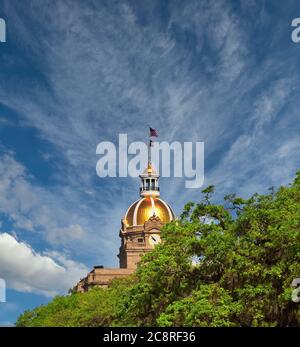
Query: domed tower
(140, 231)
(143, 221)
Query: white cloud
(33, 208)
(60, 215)
(61, 235)
(6, 122)
(27, 271)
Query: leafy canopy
(219, 265)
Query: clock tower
(140, 229)
(139, 233)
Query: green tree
(219, 265)
(247, 256)
(97, 307)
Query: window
(152, 184)
(147, 184)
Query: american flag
(153, 132)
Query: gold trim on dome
(137, 207)
(129, 214)
(142, 210)
(162, 211)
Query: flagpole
(149, 151)
(153, 133)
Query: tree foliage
(219, 265)
(97, 307)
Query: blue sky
(75, 73)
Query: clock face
(154, 239)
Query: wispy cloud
(191, 69)
(50, 214)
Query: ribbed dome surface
(141, 210)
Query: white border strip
(136, 211)
(168, 208)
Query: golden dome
(141, 210)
